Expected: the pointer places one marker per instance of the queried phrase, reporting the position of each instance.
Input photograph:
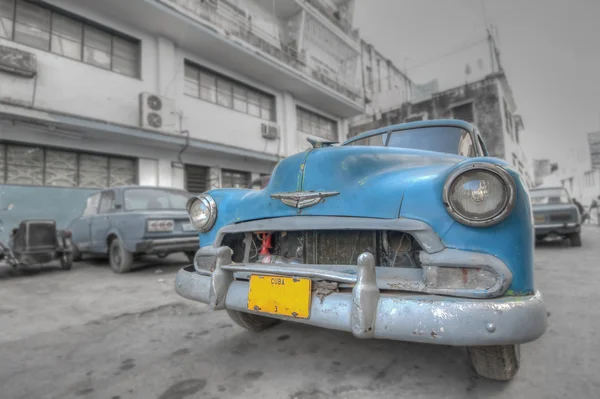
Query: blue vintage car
(410, 232)
(555, 215)
(129, 221)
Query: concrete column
(166, 61)
(214, 179)
(342, 130)
(164, 173)
(289, 134)
(148, 172)
(178, 177)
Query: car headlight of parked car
(202, 211)
(479, 194)
(160, 226)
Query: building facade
(192, 94)
(487, 103)
(541, 169)
(581, 175)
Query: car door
(81, 228)
(101, 223)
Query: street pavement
(88, 333)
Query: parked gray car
(126, 222)
(555, 215)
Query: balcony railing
(235, 23)
(333, 15)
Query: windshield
(137, 199)
(549, 196)
(447, 139)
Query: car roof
(413, 125)
(126, 187)
(548, 188)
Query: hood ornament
(303, 199)
(319, 143)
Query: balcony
(227, 36)
(233, 22)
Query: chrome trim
(421, 231)
(368, 313)
(387, 278)
(509, 201)
(555, 226)
(303, 199)
(212, 205)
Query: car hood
(370, 181)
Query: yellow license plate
(539, 219)
(287, 296)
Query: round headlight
(479, 194)
(203, 212)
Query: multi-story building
(581, 174)
(541, 169)
(384, 84)
(487, 103)
(183, 93)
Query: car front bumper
(557, 228)
(369, 312)
(168, 245)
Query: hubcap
(117, 257)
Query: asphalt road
(88, 333)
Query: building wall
(69, 87)
(487, 98)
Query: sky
(550, 51)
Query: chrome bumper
(367, 312)
(177, 244)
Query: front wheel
(190, 256)
(575, 239)
(66, 260)
(499, 362)
(120, 258)
(251, 322)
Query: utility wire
(457, 50)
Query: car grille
(561, 218)
(339, 247)
(41, 235)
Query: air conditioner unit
(157, 112)
(270, 131)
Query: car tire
(120, 258)
(575, 239)
(190, 256)
(76, 255)
(66, 260)
(251, 322)
(499, 362)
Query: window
(154, 198)
(508, 119)
(48, 29)
(414, 118)
(91, 207)
(370, 78)
(312, 123)
(39, 166)
(463, 112)
(215, 88)
(197, 178)
(446, 139)
(107, 202)
(234, 179)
